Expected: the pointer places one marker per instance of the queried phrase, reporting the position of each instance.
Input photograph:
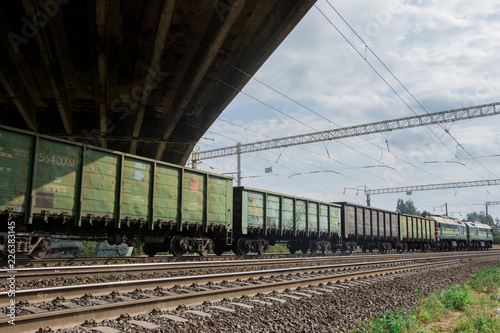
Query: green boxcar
(415, 232)
(62, 187)
(262, 218)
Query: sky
(444, 55)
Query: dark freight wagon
(262, 218)
(368, 227)
(53, 186)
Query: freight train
(51, 187)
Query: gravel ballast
(336, 311)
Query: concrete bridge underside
(144, 77)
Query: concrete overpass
(145, 77)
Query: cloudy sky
(446, 55)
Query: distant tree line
(408, 207)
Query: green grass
(89, 247)
(486, 280)
(137, 250)
(278, 248)
(478, 321)
(393, 322)
(475, 302)
(456, 298)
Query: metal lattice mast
(491, 203)
(358, 130)
(409, 189)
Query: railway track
(108, 300)
(127, 269)
(95, 261)
(63, 262)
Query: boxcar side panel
(287, 215)
(375, 228)
(100, 185)
(349, 221)
(415, 228)
(403, 230)
(216, 201)
(387, 224)
(136, 189)
(368, 224)
(16, 150)
(334, 219)
(167, 193)
(359, 222)
(57, 179)
(394, 225)
(300, 215)
(193, 198)
(381, 224)
(255, 209)
(323, 218)
(312, 216)
(273, 212)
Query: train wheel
(149, 249)
(242, 247)
(42, 249)
(313, 245)
(304, 250)
(292, 250)
(176, 247)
